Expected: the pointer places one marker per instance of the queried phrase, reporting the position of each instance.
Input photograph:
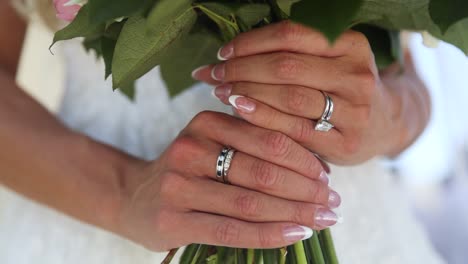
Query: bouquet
(135, 36)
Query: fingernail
(297, 233)
(226, 52)
(324, 177)
(223, 91)
(325, 217)
(243, 104)
(218, 72)
(196, 72)
(334, 199)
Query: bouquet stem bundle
(318, 249)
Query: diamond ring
(324, 124)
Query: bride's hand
(278, 190)
(275, 76)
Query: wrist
(111, 176)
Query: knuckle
(265, 238)
(289, 33)
(179, 146)
(169, 184)
(232, 69)
(161, 223)
(277, 144)
(303, 130)
(203, 118)
(265, 175)
(227, 233)
(248, 205)
(287, 66)
(319, 193)
(300, 214)
(296, 99)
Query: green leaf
(137, 52)
(190, 52)
(252, 14)
(105, 10)
(129, 90)
(108, 48)
(93, 44)
(411, 15)
(445, 13)
(286, 5)
(80, 27)
(221, 15)
(457, 35)
(331, 17)
(381, 43)
(166, 10)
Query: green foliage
(331, 17)
(445, 13)
(80, 27)
(137, 52)
(161, 32)
(197, 49)
(104, 10)
(385, 44)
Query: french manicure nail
(223, 91)
(325, 217)
(196, 72)
(243, 104)
(218, 72)
(226, 52)
(334, 199)
(297, 233)
(324, 177)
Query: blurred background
(434, 172)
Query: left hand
(274, 76)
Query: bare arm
(45, 161)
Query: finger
(300, 129)
(203, 74)
(287, 36)
(262, 176)
(248, 205)
(290, 99)
(271, 146)
(259, 175)
(216, 230)
(326, 74)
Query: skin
(277, 184)
(280, 70)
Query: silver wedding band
(223, 164)
(323, 124)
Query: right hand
(279, 190)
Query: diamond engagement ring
(324, 124)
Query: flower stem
(170, 256)
(300, 253)
(315, 250)
(270, 256)
(189, 253)
(328, 248)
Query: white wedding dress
(378, 227)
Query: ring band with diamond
(227, 165)
(324, 124)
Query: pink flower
(67, 9)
